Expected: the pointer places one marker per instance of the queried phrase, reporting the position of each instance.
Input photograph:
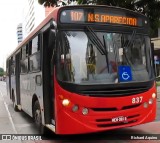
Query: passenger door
(24, 80)
(17, 74)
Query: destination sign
(112, 19)
(100, 16)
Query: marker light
(145, 105)
(61, 97)
(84, 111)
(75, 108)
(65, 102)
(150, 101)
(153, 95)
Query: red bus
(85, 69)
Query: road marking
(9, 115)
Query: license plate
(119, 119)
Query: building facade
(156, 42)
(33, 15)
(19, 33)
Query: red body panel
(69, 122)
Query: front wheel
(38, 118)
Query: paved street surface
(12, 122)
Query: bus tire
(38, 118)
(14, 103)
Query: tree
(150, 8)
(48, 3)
(121, 3)
(1, 71)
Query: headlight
(65, 102)
(153, 95)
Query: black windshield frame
(101, 30)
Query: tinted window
(35, 46)
(24, 65)
(12, 65)
(24, 59)
(35, 62)
(34, 59)
(24, 52)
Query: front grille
(108, 90)
(104, 109)
(130, 106)
(114, 108)
(111, 92)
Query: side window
(13, 66)
(7, 67)
(24, 59)
(34, 58)
(24, 52)
(35, 45)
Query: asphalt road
(12, 122)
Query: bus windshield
(88, 57)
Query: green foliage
(81, 1)
(126, 4)
(1, 71)
(48, 3)
(150, 8)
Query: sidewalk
(6, 126)
(6, 123)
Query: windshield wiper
(94, 38)
(131, 40)
(102, 48)
(105, 48)
(127, 45)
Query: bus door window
(13, 65)
(24, 59)
(24, 81)
(8, 74)
(34, 58)
(65, 58)
(47, 49)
